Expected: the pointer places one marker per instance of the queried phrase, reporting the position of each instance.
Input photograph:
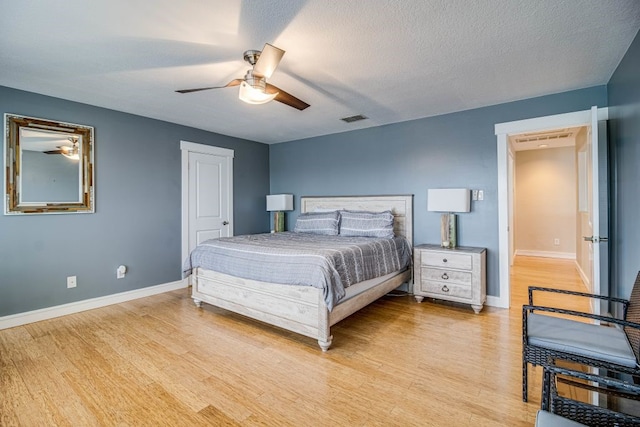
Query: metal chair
(613, 345)
(568, 409)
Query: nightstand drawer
(446, 289)
(463, 278)
(449, 260)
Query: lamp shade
(448, 200)
(280, 202)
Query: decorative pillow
(366, 224)
(318, 223)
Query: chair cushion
(583, 339)
(547, 419)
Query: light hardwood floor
(161, 361)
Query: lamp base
(278, 221)
(448, 237)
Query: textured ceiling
(388, 60)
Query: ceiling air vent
(543, 137)
(354, 118)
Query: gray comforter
(331, 263)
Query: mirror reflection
(49, 166)
(50, 170)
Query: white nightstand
(450, 274)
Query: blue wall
(624, 125)
(453, 150)
(138, 208)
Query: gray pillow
(366, 224)
(318, 223)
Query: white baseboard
(19, 319)
(497, 302)
(546, 254)
(585, 279)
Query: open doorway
(579, 124)
(548, 183)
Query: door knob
(225, 222)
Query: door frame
(502, 132)
(187, 147)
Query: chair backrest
(633, 315)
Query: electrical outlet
(121, 271)
(556, 241)
(72, 282)
(474, 194)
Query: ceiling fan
(254, 88)
(70, 152)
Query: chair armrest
(608, 381)
(597, 383)
(530, 308)
(623, 301)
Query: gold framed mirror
(48, 166)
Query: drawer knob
(444, 260)
(445, 276)
(445, 289)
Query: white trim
(495, 302)
(184, 219)
(19, 319)
(502, 131)
(503, 221)
(206, 149)
(578, 118)
(584, 277)
(546, 254)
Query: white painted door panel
(593, 206)
(208, 198)
(207, 194)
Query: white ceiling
(388, 60)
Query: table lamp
(278, 203)
(448, 200)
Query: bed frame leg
(197, 302)
(324, 345)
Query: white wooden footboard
(299, 309)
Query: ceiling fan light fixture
(71, 152)
(253, 89)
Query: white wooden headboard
(400, 205)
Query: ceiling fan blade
(268, 61)
(286, 98)
(53, 152)
(235, 82)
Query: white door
(512, 197)
(208, 198)
(207, 194)
(596, 214)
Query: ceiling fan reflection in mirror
(70, 152)
(254, 88)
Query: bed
(307, 310)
